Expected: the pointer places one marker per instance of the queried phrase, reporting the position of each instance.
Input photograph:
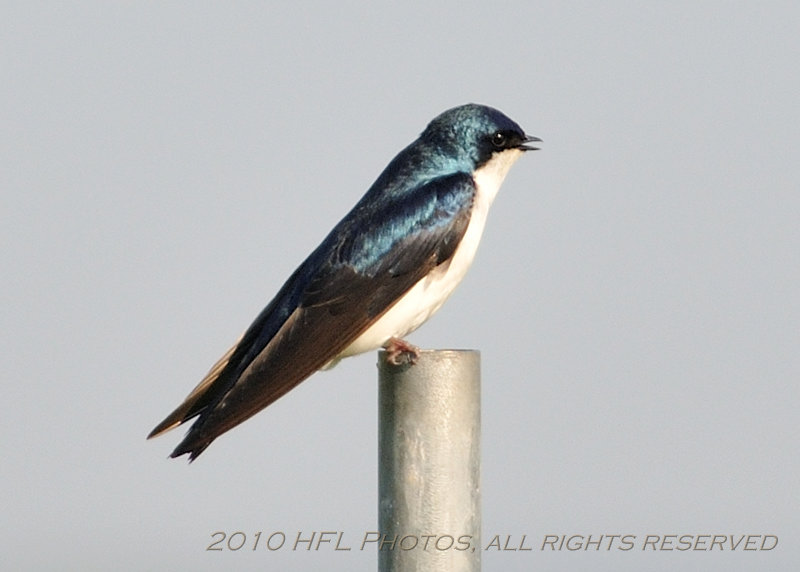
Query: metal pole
(429, 467)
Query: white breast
(428, 295)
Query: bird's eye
(498, 140)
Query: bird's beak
(529, 139)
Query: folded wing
(372, 257)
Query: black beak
(529, 139)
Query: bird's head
(477, 133)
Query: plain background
(635, 298)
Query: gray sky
(635, 298)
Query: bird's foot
(400, 351)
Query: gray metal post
(429, 468)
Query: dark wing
(373, 257)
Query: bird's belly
(409, 313)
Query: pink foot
(400, 351)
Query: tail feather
(192, 450)
(197, 400)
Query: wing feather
(373, 257)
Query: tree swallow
(382, 271)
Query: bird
(382, 271)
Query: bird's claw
(399, 352)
